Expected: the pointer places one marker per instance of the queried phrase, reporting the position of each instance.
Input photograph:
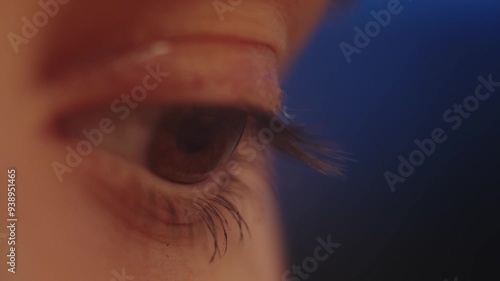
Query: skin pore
(106, 214)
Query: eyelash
(212, 216)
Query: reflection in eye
(188, 143)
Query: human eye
(169, 163)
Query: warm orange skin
(62, 234)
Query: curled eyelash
(298, 143)
(211, 215)
(211, 211)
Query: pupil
(190, 142)
(195, 133)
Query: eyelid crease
(208, 73)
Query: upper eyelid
(204, 82)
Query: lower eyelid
(158, 209)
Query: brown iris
(190, 142)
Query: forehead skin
(60, 236)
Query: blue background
(443, 221)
